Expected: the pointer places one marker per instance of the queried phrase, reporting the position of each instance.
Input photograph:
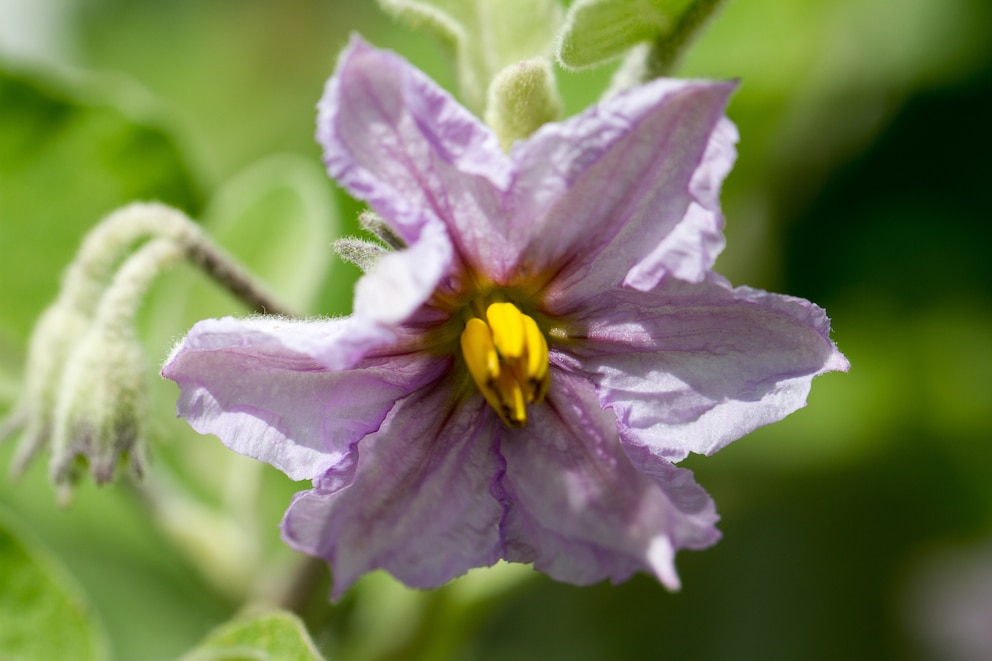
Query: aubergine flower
(518, 380)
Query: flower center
(507, 357)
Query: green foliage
(44, 615)
(69, 154)
(276, 636)
(596, 31)
(894, 455)
(486, 35)
(816, 87)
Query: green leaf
(279, 636)
(44, 615)
(486, 35)
(596, 31)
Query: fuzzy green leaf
(275, 636)
(43, 614)
(596, 31)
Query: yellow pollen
(508, 360)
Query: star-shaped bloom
(519, 379)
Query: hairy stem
(221, 268)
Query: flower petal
(692, 367)
(420, 505)
(692, 247)
(392, 293)
(395, 139)
(260, 386)
(597, 194)
(576, 506)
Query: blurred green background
(858, 528)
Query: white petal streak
(405, 279)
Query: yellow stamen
(479, 351)
(512, 408)
(507, 323)
(537, 361)
(508, 360)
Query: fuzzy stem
(122, 298)
(87, 291)
(107, 244)
(219, 266)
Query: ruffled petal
(577, 507)
(597, 194)
(395, 139)
(261, 386)
(420, 504)
(689, 251)
(692, 367)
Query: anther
(507, 357)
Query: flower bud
(103, 393)
(84, 390)
(372, 223)
(485, 36)
(522, 98)
(67, 320)
(363, 254)
(57, 329)
(102, 401)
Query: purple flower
(520, 379)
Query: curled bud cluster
(102, 393)
(85, 387)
